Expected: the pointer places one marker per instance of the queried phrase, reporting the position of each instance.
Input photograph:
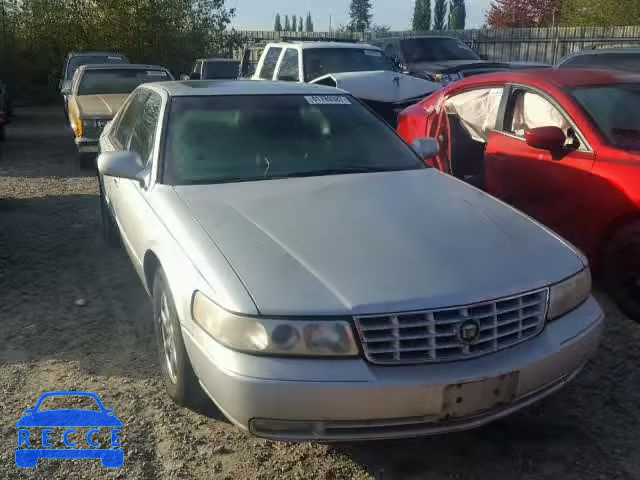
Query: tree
(294, 23)
(422, 16)
(439, 14)
(278, 25)
(360, 13)
(309, 23)
(523, 13)
(287, 24)
(300, 24)
(457, 15)
(603, 13)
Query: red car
(563, 146)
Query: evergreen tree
(278, 25)
(309, 25)
(439, 14)
(294, 23)
(360, 13)
(287, 24)
(422, 16)
(457, 15)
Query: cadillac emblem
(469, 331)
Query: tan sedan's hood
(104, 106)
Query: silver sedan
(316, 281)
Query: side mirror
(194, 76)
(126, 165)
(426, 148)
(184, 76)
(546, 138)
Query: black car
(214, 69)
(436, 58)
(626, 59)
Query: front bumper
(87, 145)
(351, 399)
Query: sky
(260, 14)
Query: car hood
(381, 86)
(450, 66)
(105, 106)
(375, 242)
(69, 418)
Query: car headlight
(447, 78)
(569, 294)
(328, 338)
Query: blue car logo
(29, 452)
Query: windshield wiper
(340, 170)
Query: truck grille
(453, 333)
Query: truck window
(290, 66)
(270, 62)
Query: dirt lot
(51, 256)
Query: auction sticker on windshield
(71, 432)
(327, 100)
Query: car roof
(309, 45)
(87, 54)
(205, 88)
(409, 37)
(120, 66)
(600, 51)
(561, 77)
(222, 60)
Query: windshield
(322, 61)
(221, 70)
(435, 50)
(614, 109)
(105, 82)
(75, 62)
(245, 138)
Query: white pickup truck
(362, 70)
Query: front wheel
(621, 269)
(180, 380)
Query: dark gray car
(440, 59)
(626, 59)
(214, 69)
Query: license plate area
(466, 399)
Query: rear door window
(477, 111)
(270, 62)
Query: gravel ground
(51, 256)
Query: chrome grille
(434, 335)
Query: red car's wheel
(621, 268)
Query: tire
(179, 378)
(110, 232)
(621, 269)
(85, 159)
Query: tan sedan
(97, 93)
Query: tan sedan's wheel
(179, 378)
